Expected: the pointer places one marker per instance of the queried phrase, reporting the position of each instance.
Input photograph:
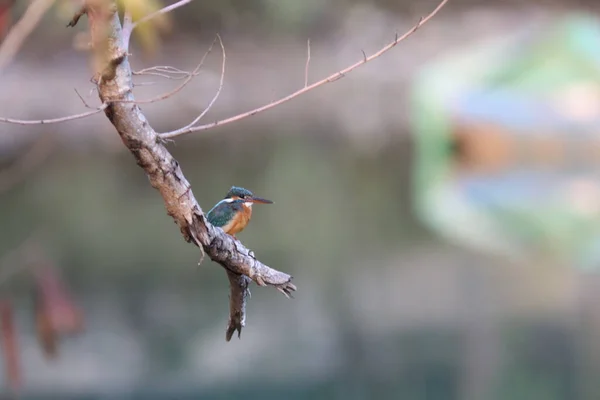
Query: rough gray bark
(114, 80)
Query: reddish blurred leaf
(10, 345)
(56, 314)
(45, 333)
(5, 16)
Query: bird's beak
(261, 201)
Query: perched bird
(233, 213)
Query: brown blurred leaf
(5, 16)
(10, 345)
(46, 335)
(55, 312)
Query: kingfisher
(233, 213)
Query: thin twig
(307, 63)
(165, 10)
(167, 72)
(331, 78)
(150, 83)
(167, 135)
(164, 75)
(163, 68)
(190, 76)
(53, 120)
(83, 100)
(22, 29)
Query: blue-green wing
(223, 212)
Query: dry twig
(159, 70)
(307, 63)
(212, 102)
(53, 120)
(331, 78)
(167, 72)
(190, 76)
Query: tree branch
(212, 102)
(188, 78)
(54, 120)
(331, 78)
(239, 295)
(307, 65)
(160, 71)
(164, 172)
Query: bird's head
(238, 193)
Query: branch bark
(114, 81)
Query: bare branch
(164, 10)
(174, 133)
(167, 69)
(165, 174)
(331, 78)
(53, 120)
(240, 293)
(190, 76)
(83, 100)
(128, 25)
(164, 75)
(307, 63)
(22, 29)
(146, 71)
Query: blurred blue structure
(508, 144)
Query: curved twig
(212, 102)
(331, 78)
(190, 76)
(53, 120)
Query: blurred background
(438, 208)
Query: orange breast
(239, 222)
